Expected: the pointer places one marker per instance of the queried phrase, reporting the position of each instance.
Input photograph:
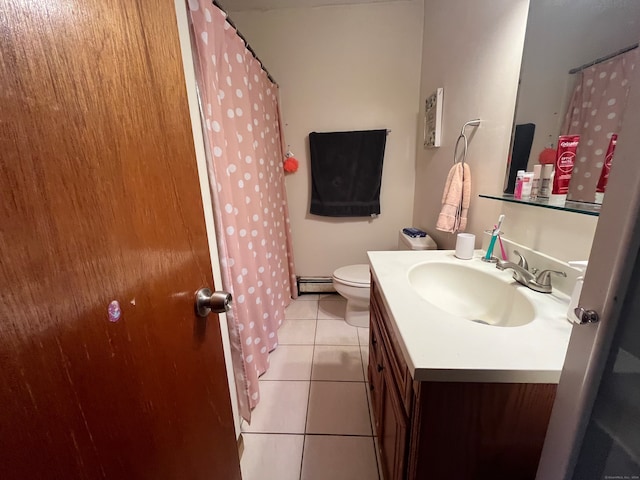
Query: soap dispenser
(577, 290)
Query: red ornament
(291, 165)
(548, 155)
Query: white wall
(473, 50)
(563, 235)
(352, 67)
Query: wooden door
(101, 203)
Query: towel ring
(462, 136)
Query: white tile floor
(313, 420)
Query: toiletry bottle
(535, 185)
(606, 167)
(565, 160)
(577, 290)
(517, 193)
(527, 185)
(545, 186)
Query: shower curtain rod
(603, 59)
(246, 43)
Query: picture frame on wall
(433, 119)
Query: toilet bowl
(353, 282)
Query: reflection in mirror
(576, 36)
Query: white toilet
(353, 282)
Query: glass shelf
(584, 208)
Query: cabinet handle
(380, 368)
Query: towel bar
(470, 123)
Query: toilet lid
(355, 275)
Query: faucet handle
(523, 261)
(544, 277)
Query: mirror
(563, 36)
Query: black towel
(346, 172)
(522, 141)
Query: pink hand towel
(455, 199)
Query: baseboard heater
(315, 285)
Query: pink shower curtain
(245, 152)
(595, 113)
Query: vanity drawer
(396, 362)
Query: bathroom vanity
(452, 397)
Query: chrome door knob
(208, 301)
(586, 316)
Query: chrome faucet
(520, 274)
(540, 282)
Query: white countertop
(438, 346)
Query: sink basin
(471, 294)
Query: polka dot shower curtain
(595, 113)
(245, 152)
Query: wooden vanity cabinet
(390, 414)
(434, 430)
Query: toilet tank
(405, 242)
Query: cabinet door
(393, 435)
(375, 372)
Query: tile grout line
(368, 395)
(306, 417)
(364, 380)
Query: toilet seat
(354, 275)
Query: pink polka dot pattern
(239, 105)
(595, 112)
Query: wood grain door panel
(482, 430)
(394, 436)
(375, 370)
(101, 202)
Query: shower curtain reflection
(595, 113)
(239, 105)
